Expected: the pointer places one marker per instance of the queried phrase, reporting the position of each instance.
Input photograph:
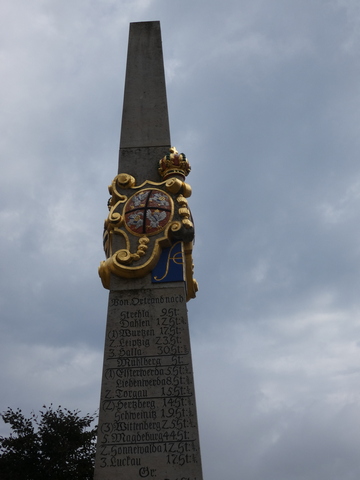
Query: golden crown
(174, 164)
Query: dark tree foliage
(54, 445)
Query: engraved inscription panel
(147, 420)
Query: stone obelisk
(147, 418)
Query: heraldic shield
(149, 227)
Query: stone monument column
(147, 418)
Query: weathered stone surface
(145, 115)
(142, 163)
(145, 133)
(148, 423)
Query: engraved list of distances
(148, 412)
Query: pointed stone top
(145, 120)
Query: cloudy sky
(264, 98)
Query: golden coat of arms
(149, 228)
